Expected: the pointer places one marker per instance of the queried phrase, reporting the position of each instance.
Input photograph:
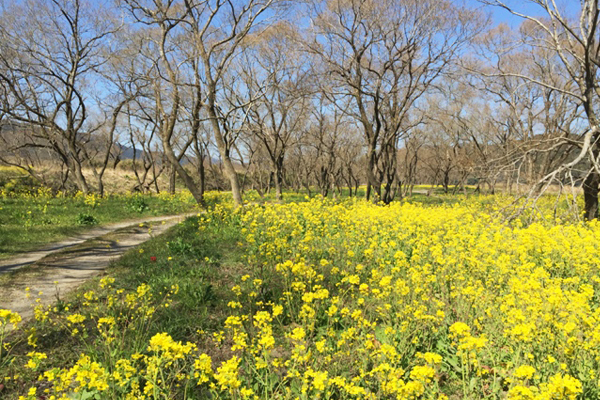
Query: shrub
(86, 219)
(137, 203)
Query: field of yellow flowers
(351, 300)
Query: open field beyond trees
(328, 299)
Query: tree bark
(278, 166)
(225, 158)
(172, 178)
(590, 195)
(79, 177)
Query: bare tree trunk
(100, 185)
(155, 175)
(307, 187)
(172, 179)
(373, 182)
(278, 166)
(590, 195)
(269, 182)
(202, 178)
(79, 177)
(224, 152)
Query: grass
(28, 222)
(201, 265)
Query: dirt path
(62, 267)
(30, 257)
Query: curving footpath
(60, 268)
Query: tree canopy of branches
(320, 95)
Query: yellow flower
(297, 334)
(203, 368)
(9, 317)
(458, 329)
(76, 318)
(422, 373)
(563, 387)
(521, 393)
(524, 372)
(430, 358)
(227, 374)
(277, 310)
(35, 359)
(170, 349)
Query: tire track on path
(62, 267)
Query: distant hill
(128, 152)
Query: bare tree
(219, 29)
(384, 55)
(571, 35)
(50, 52)
(274, 66)
(162, 49)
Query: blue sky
(500, 15)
